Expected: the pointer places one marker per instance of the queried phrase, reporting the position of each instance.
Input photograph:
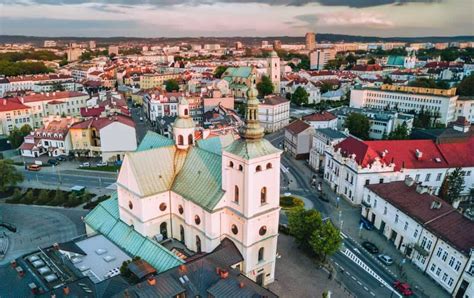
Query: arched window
(260, 254)
(263, 195)
(180, 140)
(190, 139)
(180, 209)
(186, 112)
(163, 206)
(241, 168)
(269, 166)
(234, 229)
(164, 230)
(197, 219)
(198, 244)
(130, 205)
(231, 164)
(263, 230)
(181, 232)
(259, 168)
(236, 194)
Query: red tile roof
(445, 222)
(51, 96)
(459, 154)
(100, 123)
(11, 104)
(297, 126)
(323, 116)
(274, 100)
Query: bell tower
(183, 126)
(274, 71)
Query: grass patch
(289, 202)
(48, 197)
(113, 168)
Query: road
(70, 178)
(297, 180)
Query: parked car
(403, 288)
(387, 260)
(366, 224)
(102, 164)
(61, 158)
(33, 167)
(370, 247)
(53, 161)
(85, 165)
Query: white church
(202, 191)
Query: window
(450, 281)
(433, 267)
(186, 112)
(396, 218)
(415, 234)
(381, 181)
(375, 203)
(198, 244)
(180, 140)
(180, 209)
(438, 271)
(241, 168)
(427, 178)
(428, 245)
(367, 182)
(236, 194)
(190, 139)
(130, 205)
(445, 256)
(417, 177)
(458, 265)
(423, 242)
(163, 206)
(234, 229)
(439, 252)
(406, 226)
(260, 254)
(451, 261)
(231, 164)
(384, 210)
(263, 195)
(445, 277)
(263, 230)
(258, 169)
(197, 219)
(269, 166)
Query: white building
(322, 139)
(274, 71)
(49, 44)
(320, 57)
(13, 113)
(181, 191)
(321, 120)
(274, 113)
(407, 99)
(160, 104)
(426, 229)
(465, 108)
(298, 135)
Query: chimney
(421, 189)
(436, 204)
(409, 181)
(241, 285)
(4, 102)
(151, 281)
(224, 274)
(56, 246)
(66, 290)
(418, 154)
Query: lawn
(113, 168)
(48, 197)
(290, 202)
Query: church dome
(183, 123)
(273, 54)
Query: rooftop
(323, 116)
(297, 127)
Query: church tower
(274, 71)
(251, 179)
(183, 126)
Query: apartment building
(440, 102)
(321, 120)
(152, 80)
(274, 113)
(430, 232)
(320, 57)
(13, 113)
(322, 139)
(298, 135)
(158, 104)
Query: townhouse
(13, 113)
(322, 139)
(158, 104)
(321, 120)
(274, 113)
(297, 141)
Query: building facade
(274, 113)
(320, 57)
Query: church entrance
(259, 279)
(198, 244)
(164, 230)
(181, 232)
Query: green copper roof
(249, 149)
(104, 219)
(154, 140)
(216, 144)
(200, 178)
(396, 60)
(243, 72)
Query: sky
(193, 18)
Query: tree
(325, 87)
(17, 135)
(326, 240)
(29, 197)
(300, 96)
(400, 133)
(9, 175)
(43, 197)
(452, 186)
(388, 80)
(423, 82)
(358, 125)
(219, 71)
(265, 87)
(302, 223)
(85, 56)
(172, 85)
(466, 87)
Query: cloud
(346, 19)
(161, 3)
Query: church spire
(252, 129)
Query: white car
(85, 165)
(387, 260)
(102, 164)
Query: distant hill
(321, 37)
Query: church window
(236, 194)
(263, 230)
(186, 112)
(261, 253)
(130, 205)
(197, 219)
(241, 168)
(163, 206)
(180, 209)
(269, 166)
(180, 140)
(231, 164)
(234, 229)
(198, 244)
(263, 195)
(190, 139)
(259, 168)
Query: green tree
(388, 80)
(325, 87)
(43, 197)
(17, 136)
(9, 175)
(85, 56)
(452, 186)
(300, 96)
(219, 71)
(29, 197)
(325, 240)
(265, 86)
(171, 85)
(358, 125)
(423, 82)
(302, 223)
(466, 87)
(399, 133)
(58, 198)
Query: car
(102, 164)
(61, 158)
(366, 224)
(85, 165)
(386, 259)
(53, 161)
(141, 119)
(33, 167)
(370, 247)
(403, 287)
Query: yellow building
(148, 81)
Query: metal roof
(249, 149)
(154, 140)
